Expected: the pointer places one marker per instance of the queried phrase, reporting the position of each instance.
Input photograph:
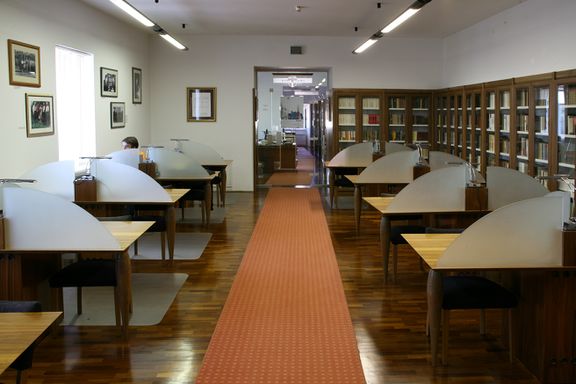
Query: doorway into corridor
(290, 115)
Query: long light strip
(173, 41)
(129, 9)
(413, 9)
(132, 12)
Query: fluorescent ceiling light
(133, 12)
(173, 41)
(305, 93)
(292, 80)
(400, 19)
(366, 45)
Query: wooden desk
(167, 207)
(190, 182)
(125, 232)
(221, 169)
(545, 315)
(21, 330)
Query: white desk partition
(522, 234)
(129, 157)
(438, 160)
(173, 164)
(56, 178)
(202, 153)
(395, 147)
(507, 185)
(39, 221)
(435, 191)
(120, 182)
(357, 155)
(396, 167)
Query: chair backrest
(444, 230)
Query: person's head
(130, 142)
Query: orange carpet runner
(285, 319)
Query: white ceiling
(437, 19)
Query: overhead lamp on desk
(408, 13)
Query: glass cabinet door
(490, 128)
(371, 113)
(477, 129)
(521, 127)
(566, 132)
(441, 123)
(504, 128)
(468, 136)
(420, 119)
(541, 137)
(458, 125)
(346, 121)
(397, 119)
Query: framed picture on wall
(136, 86)
(117, 115)
(39, 115)
(23, 64)
(200, 104)
(108, 82)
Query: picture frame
(23, 64)
(39, 115)
(136, 85)
(117, 115)
(201, 104)
(108, 82)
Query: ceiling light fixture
(129, 9)
(409, 12)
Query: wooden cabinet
(565, 90)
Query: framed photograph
(200, 104)
(108, 82)
(136, 86)
(39, 115)
(117, 115)
(23, 64)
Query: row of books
(570, 95)
(371, 118)
(396, 118)
(397, 102)
(347, 135)
(346, 119)
(571, 125)
(371, 103)
(346, 103)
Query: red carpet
(286, 319)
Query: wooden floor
(389, 319)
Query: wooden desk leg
(208, 198)
(124, 281)
(385, 244)
(223, 187)
(357, 204)
(434, 291)
(170, 216)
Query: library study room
(273, 192)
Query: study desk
(381, 205)
(221, 170)
(358, 194)
(535, 332)
(167, 207)
(21, 330)
(190, 183)
(14, 275)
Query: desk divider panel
(37, 220)
(436, 191)
(522, 234)
(507, 185)
(120, 182)
(202, 153)
(357, 154)
(130, 157)
(395, 147)
(173, 164)
(56, 178)
(438, 160)
(394, 168)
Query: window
(75, 104)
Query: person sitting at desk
(130, 142)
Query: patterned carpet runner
(285, 319)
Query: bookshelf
(566, 122)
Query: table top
(354, 179)
(187, 178)
(430, 246)
(379, 203)
(358, 164)
(20, 330)
(224, 164)
(127, 232)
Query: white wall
(69, 23)
(228, 62)
(536, 36)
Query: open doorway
(290, 126)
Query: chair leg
(79, 300)
(203, 209)
(136, 247)
(117, 307)
(394, 261)
(21, 376)
(483, 322)
(511, 347)
(445, 332)
(163, 244)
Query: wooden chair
(24, 361)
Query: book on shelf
(523, 167)
(570, 95)
(397, 102)
(491, 100)
(571, 125)
(523, 146)
(504, 99)
(491, 121)
(397, 118)
(347, 135)
(491, 143)
(505, 123)
(541, 124)
(371, 118)
(541, 151)
(346, 119)
(346, 103)
(522, 124)
(522, 98)
(371, 103)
